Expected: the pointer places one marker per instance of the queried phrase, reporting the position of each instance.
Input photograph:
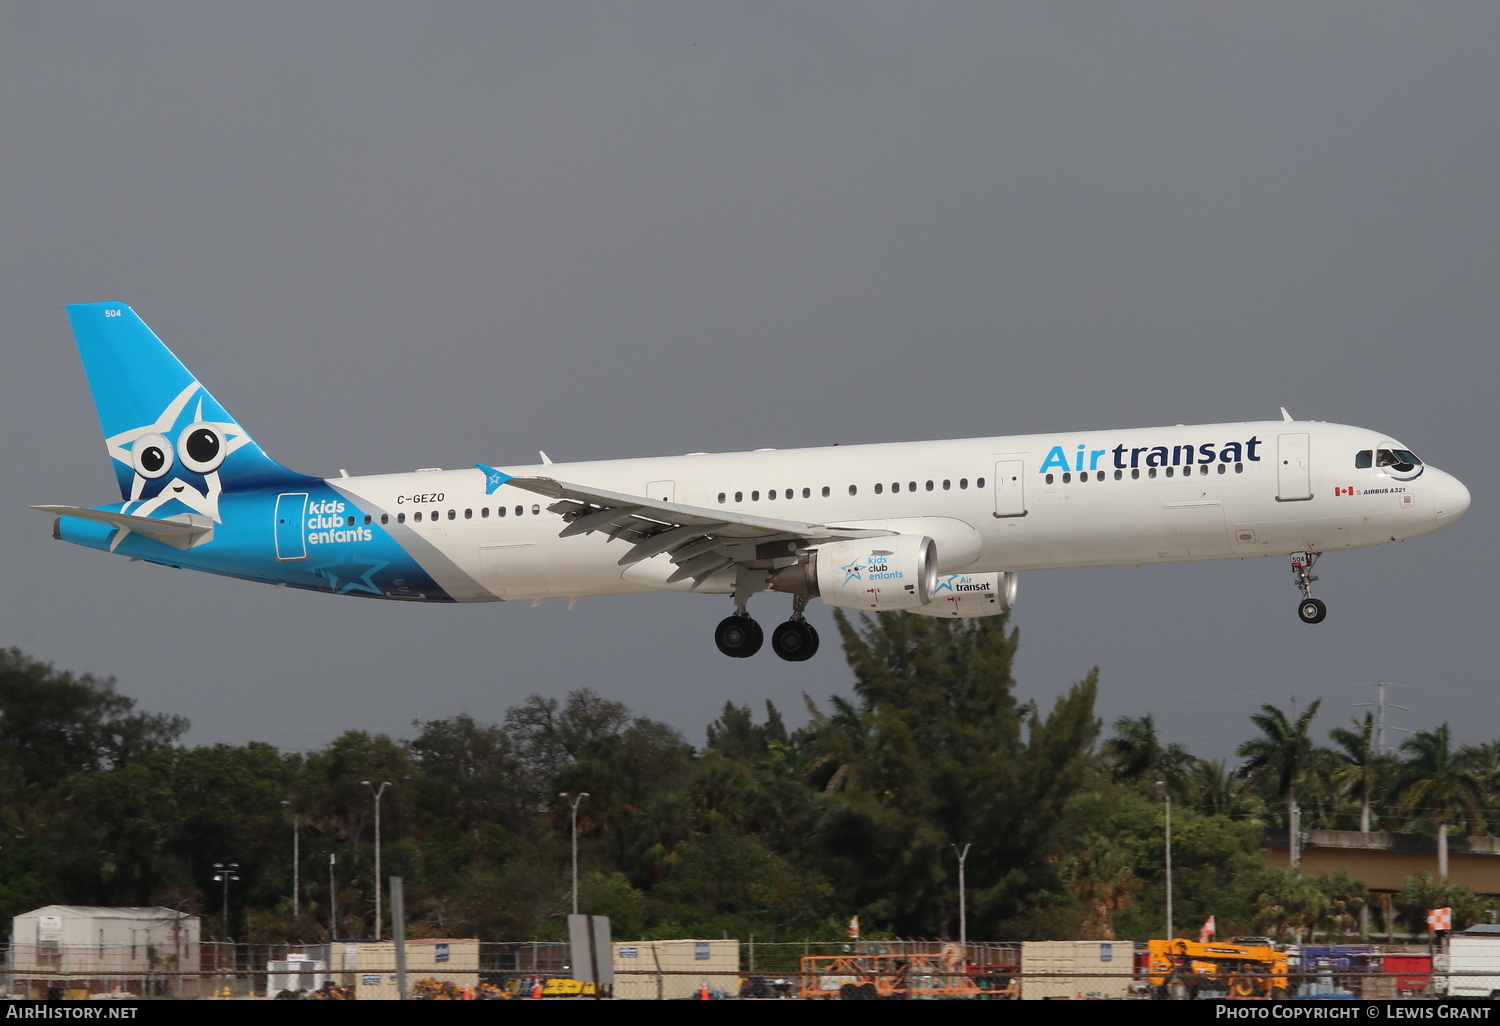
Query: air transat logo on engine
(1126, 457)
(961, 583)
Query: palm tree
(1438, 784)
(1136, 755)
(1359, 765)
(1282, 755)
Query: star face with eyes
(176, 459)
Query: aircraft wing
(700, 541)
(180, 532)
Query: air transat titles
(1126, 457)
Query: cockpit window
(1402, 460)
(1362, 460)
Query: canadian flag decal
(1344, 491)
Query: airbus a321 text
(937, 528)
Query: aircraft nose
(1452, 500)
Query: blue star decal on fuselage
(346, 576)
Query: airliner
(934, 528)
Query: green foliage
(937, 753)
(53, 724)
(1423, 892)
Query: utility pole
(377, 793)
(296, 864)
(963, 918)
(1168, 796)
(576, 799)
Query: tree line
(762, 830)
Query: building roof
(154, 913)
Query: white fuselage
(1025, 502)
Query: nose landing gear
(1311, 610)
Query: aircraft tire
(1312, 610)
(795, 641)
(738, 637)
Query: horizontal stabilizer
(180, 532)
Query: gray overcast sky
(400, 235)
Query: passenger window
(1151, 472)
(755, 496)
(484, 514)
(499, 511)
(1239, 468)
(788, 493)
(1222, 468)
(895, 487)
(771, 495)
(854, 489)
(1067, 479)
(400, 518)
(417, 516)
(1049, 479)
(385, 518)
(947, 485)
(1135, 473)
(911, 486)
(739, 496)
(1169, 471)
(963, 482)
(721, 498)
(536, 511)
(367, 519)
(979, 483)
(929, 486)
(825, 491)
(520, 510)
(468, 514)
(879, 488)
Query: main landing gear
(740, 637)
(1311, 610)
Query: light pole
(576, 799)
(296, 864)
(224, 873)
(1168, 796)
(377, 792)
(963, 918)
(333, 897)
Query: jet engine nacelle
(965, 595)
(894, 572)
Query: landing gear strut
(1311, 610)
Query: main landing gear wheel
(738, 637)
(795, 641)
(1312, 610)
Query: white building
(102, 950)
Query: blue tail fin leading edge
(174, 448)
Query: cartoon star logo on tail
(177, 457)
